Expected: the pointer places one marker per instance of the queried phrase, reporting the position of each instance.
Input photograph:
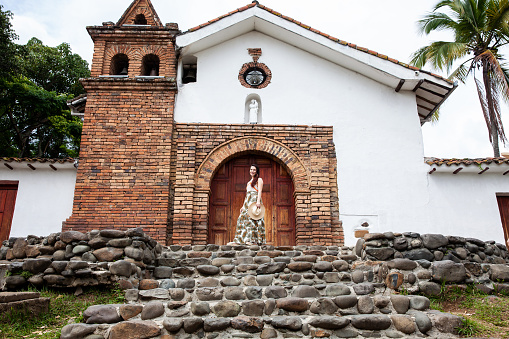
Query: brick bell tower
(124, 164)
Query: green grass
(65, 308)
(485, 315)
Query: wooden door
(8, 191)
(228, 190)
(503, 207)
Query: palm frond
(420, 57)
(484, 104)
(435, 116)
(442, 54)
(435, 22)
(498, 16)
(454, 5)
(497, 112)
(504, 85)
(462, 71)
(498, 74)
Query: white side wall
(465, 204)
(376, 130)
(44, 199)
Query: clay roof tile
(466, 161)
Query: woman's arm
(260, 189)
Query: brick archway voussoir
(228, 149)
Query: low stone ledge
(6, 297)
(32, 306)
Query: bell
(190, 75)
(124, 71)
(153, 72)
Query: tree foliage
(480, 28)
(52, 68)
(34, 117)
(7, 47)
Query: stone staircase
(211, 291)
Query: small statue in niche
(253, 111)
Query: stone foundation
(211, 291)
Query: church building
(173, 120)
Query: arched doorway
(228, 190)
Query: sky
(388, 27)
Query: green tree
(52, 68)
(34, 88)
(480, 28)
(35, 122)
(7, 47)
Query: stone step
(155, 318)
(29, 302)
(340, 305)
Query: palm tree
(480, 28)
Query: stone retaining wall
(211, 291)
(72, 259)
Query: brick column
(125, 156)
(200, 216)
(183, 203)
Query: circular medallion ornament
(254, 75)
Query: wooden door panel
(285, 239)
(8, 193)
(284, 191)
(277, 197)
(221, 192)
(219, 222)
(219, 210)
(285, 218)
(220, 238)
(503, 207)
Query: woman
(250, 231)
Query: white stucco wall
(376, 130)
(465, 204)
(44, 199)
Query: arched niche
(150, 65)
(140, 19)
(189, 69)
(119, 64)
(248, 116)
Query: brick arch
(148, 16)
(229, 149)
(120, 49)
(158, 50)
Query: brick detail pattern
(253, 64)
(256, 53)
(307, 152)
(144, 7)
(124, 167)
(135, 42)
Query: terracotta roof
(40, 160)
(466, 161)
(342, 42)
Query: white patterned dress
(249, 230)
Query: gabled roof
(140, 7)
(431, 89)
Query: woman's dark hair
(257, 175)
